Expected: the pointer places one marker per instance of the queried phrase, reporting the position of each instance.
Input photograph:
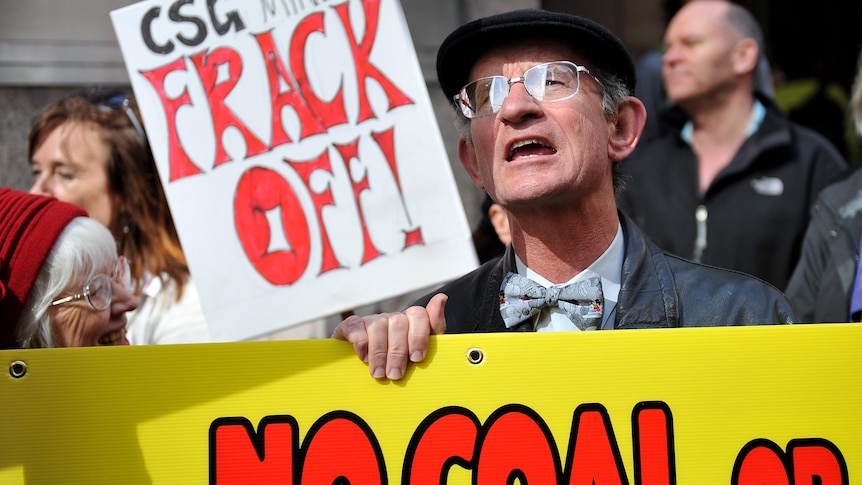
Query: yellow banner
(741, 405)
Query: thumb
(436, 308)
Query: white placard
(300, 155)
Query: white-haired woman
(62, 283)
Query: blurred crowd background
(50, 48)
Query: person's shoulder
(807, 134)
(716, 280)
(808, 146)
(845, 191)
(808, 140)
(849, 179)
(742, 299)
(705, 295)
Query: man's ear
(467, 154)
(745, 55)
(500, 220)
(627, 129)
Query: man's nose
(519, 103)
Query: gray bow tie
(582, 301)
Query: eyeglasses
(97, 289)
(551, 81)
(112, 99)
(122, 102)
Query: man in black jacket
(548, 114)
(730, 182)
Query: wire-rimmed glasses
(551, 81)
(97, 289)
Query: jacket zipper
(700, 215)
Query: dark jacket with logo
(822, 283)
(657, 290)
(754, 214)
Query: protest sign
(773, 405)
(299, 153)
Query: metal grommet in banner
(17, 369)
(475, 356)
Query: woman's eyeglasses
(122, 102)
(109, 99)
(97, 289)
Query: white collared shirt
(609, 266)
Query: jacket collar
(648, 296)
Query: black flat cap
(467, 43)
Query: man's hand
(385, 341)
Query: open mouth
(117, 337)
(530, 148)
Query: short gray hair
(84, 247)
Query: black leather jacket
(658, 290)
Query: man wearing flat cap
(548, 114)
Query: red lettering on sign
(260, 190)
(332, 113)
(349, 152)
(807, 462)
(239, 456)
(593, 456)
(219, 72)
(761, 462)
(208, 65)
(276, 72)
(341, 448)
(817, 462)
(445, 438)
(386, 142)
(320, 200)
(516, 443)
(361, 53)
(652, 437)
(255, 197)
(178, 160)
